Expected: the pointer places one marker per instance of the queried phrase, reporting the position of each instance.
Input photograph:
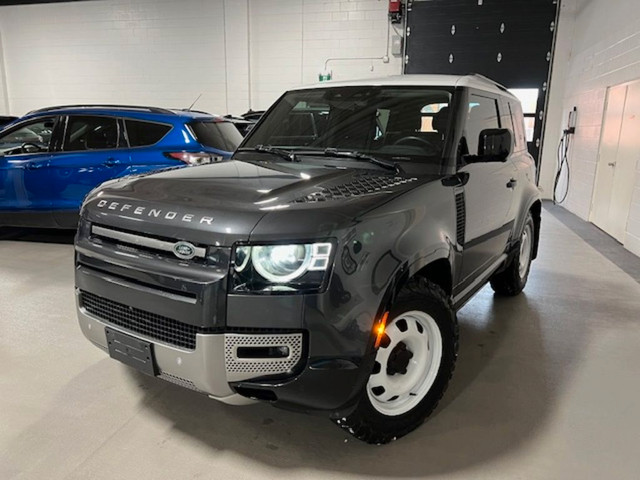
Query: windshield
(399, 124)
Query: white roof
(473, 81)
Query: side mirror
(495, 143)
(30, 148)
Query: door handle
(512, 183)
(34, 165)
(612, 164)
(110, 162)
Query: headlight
(281, 268)
(243, 254)
(281, 263)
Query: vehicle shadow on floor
(39, 235)
(505, 388)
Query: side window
(518, 123)
(38, 133)
(483, 114)
(506, 120)
(91, 133)
(382, 120)
(141, 134)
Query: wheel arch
(536, 213)
(437, 267)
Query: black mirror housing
(495, 144)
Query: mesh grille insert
(145, 323)
(361, 185)
(460, 218)
(262, 366)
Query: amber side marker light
(380, 329)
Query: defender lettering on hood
(154, 212)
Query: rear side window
(91, 133)
(142, 134)
(518, 125)
(219, 135)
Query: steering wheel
(413, 139)
(29, 147)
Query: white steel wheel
(526, 247)
(406, 364)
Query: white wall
(291, 41)
(604, 51)
(238, 53)
(556, 117)
(4, 94)
(114, 51)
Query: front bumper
(213, 368)
(212, 365)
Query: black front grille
(145, 323)
(361, 185)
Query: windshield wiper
(359, 156)
(282, 153)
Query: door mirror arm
(456, 180)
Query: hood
(222, 203)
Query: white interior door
(618, 156)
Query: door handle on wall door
(512, 183)
(612, 164)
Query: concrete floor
(547, 387)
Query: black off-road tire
(510, 282)
(366, 423)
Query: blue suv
(51, 158)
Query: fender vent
(360, 185)
(460, 218)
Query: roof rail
(488, 80)
(115, 107)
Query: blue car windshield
(392, 123)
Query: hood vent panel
(359, 186)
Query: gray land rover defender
(321, 267)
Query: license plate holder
(131, 351)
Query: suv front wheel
(413, 365)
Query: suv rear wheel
(412, 368)
(513, 278)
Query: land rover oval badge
(184, 250)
